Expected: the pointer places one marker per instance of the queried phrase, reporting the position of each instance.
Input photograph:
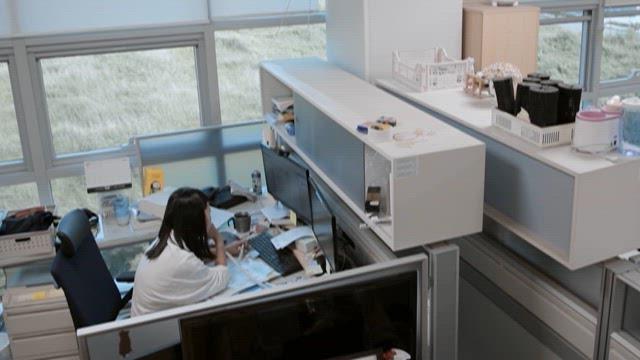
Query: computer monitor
(323, 224)
(363, 318)
(287, 182)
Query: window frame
(592, 42)
(586, 19)
(40, 164)
(118, 42)
(632, 80)
(68, 165)
(24, 164)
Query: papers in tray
(239, 281)
(220, 217)
(283, 240)
(274, 213)
(155, 204)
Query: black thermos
(569, 97)
(531, 80)
(522, 95)
(543, 106)
(540, 76)
(504, 94)
(554, 83)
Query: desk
(272, 278)
(35, 270)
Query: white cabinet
(578, 209)
(434, 184)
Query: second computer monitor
(288, 182)
(323, 224)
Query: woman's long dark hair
(184, 216)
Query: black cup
(542, 104)
(241, 222)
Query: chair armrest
(126, 298)
(126, 277)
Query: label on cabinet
(405, 167)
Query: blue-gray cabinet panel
(535, 195)
(336, 151)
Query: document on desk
(274, 213)
(283, 240)
(219, 217)
(239, 281)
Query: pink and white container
(596, 131)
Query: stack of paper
(220, 217)
(283, 240)
(155, 204)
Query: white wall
(59, 16)
(5, 25)
(220, 8)
(43, 16)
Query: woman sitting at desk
(173, 271)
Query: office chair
(79, 269)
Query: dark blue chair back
(80, 270)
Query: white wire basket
(433, 69)
(27, 244)
(543, 137)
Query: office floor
(486, 332)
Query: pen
(241, 252)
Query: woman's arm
(219, 246)
(218, 252)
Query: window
(621, 44)
(71, 192)
(100, 101)
(18, 196)
(10, 146)
(603, 99)
(560, 45)
(239, 53)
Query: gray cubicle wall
(336, 151)
(620, 336)
(206, 156)
(585, 283)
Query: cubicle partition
(160, 333)
(437, 284)
(204, 157)
(559, 320)
(621, 334)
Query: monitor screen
(323, 224)
(287, 182)
(361, 319)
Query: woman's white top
(175, 278)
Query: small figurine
(476, 84)
(501, 70)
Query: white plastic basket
(542, 137)
(432, 69)
(27, 244)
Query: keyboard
(282, 261)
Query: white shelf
(350, 101)
(578, 209)
(384, 231)
(435, 186)
(475, 113)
